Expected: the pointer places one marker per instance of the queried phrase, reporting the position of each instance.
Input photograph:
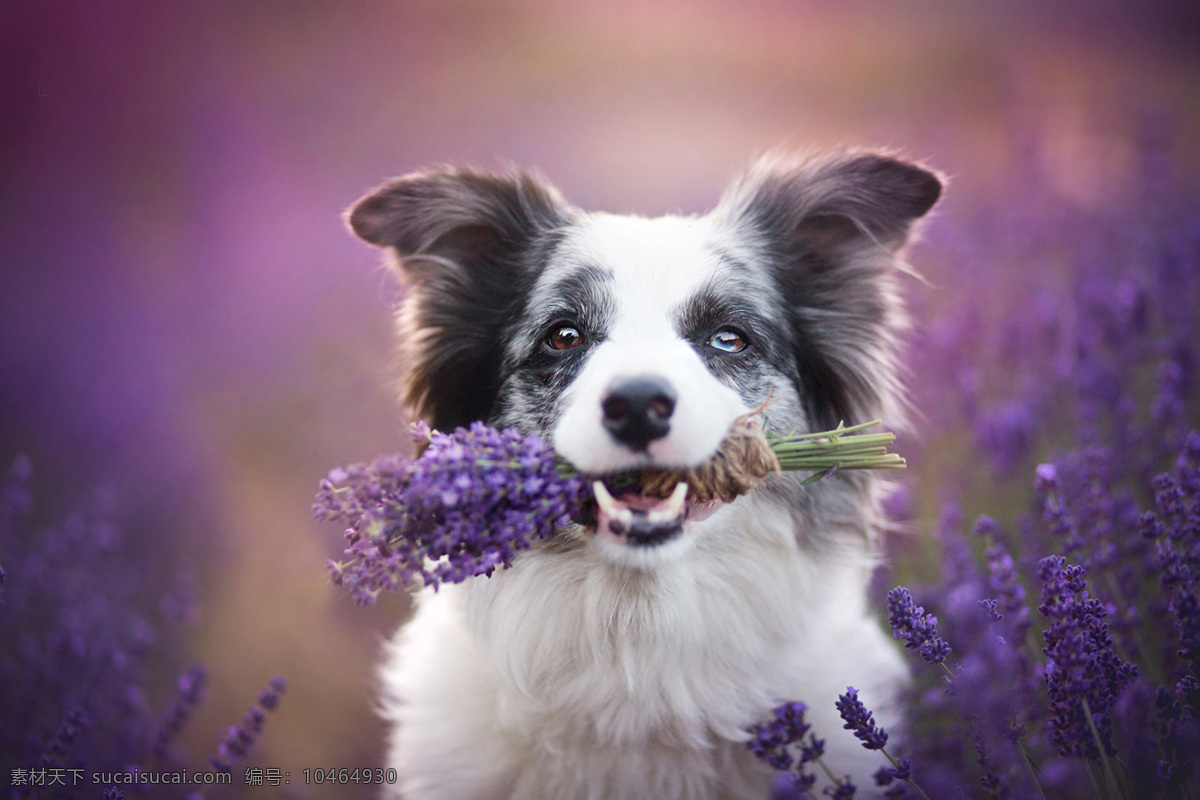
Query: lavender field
(190, 340)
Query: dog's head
(633, 342)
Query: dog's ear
(821, 203)
(831, 229)
(466, 244)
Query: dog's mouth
(649, 507)
(637, 520)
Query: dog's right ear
(467, 246)
(456, 213)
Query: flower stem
(1029, 765)
(1113, 788)
(911, 782)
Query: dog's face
(633, 342)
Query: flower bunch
(476, 497)
(473, 499)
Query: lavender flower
(859, 720)
(1004, 580)
(75, 672)
(773, 741)
(191, 691)
(79, 644)
(1084, 676)
(469, 504)
(60, 745)
(918, 629)
(844, 789)
(1005, 433)
(268, 698)
(902, 771)
(240, 737)
(770, 740)
(988, 779)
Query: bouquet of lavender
(476, 497)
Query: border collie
(615, 663)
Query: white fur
(567, 676)
(656, 264)
(606, 672)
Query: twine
(743, 461)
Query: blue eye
(727, 341)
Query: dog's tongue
(643, 521)
(630, 507)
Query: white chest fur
(566, 676)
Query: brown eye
(564, 337)
(727, 341)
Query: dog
(627, 656)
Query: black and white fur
(597, 666)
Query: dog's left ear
(822, 203)
(830, 230)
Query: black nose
(638, 410)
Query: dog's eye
(564, 337)
(727, 341)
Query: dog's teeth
(672, 507)
(609, 505)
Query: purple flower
(240, 737)
(1087, 362)
(1005, 433)
(859, 720)
(1010, 601)
(191, 691)
(59, 746)
(988, 779)
(918, 629)
(902, 771)
(771, 741)
(472, 501)
(1083, 674)
(844, 789)
(76, 670)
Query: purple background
(184, 317)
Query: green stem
(836, 432)
(1113, 786)
(820, 451)
(1032, 772)
(911, 782)
(836, 781)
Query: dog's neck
(611, 654)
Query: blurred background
(190, 338)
